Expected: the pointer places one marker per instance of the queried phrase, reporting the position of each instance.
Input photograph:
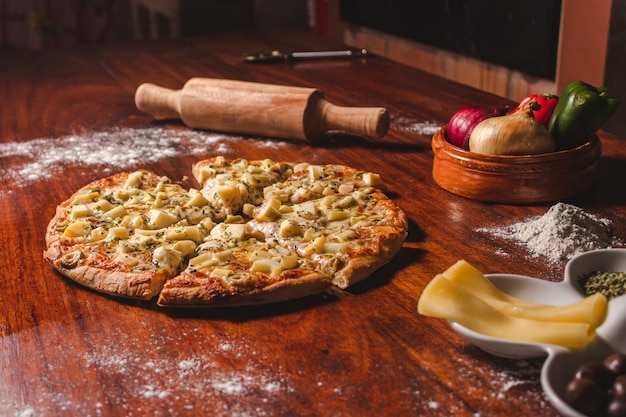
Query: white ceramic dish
(561, 363)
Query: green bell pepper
(582, 109)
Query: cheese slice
(592, 309)
(444, 299)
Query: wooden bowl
(515, 179)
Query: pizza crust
(144, 286)
(121, 284)
(383, 244)
(188, 292)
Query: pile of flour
(561, 233)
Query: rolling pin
(261, 109)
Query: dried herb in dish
(610, 283)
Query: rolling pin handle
(154, 98)
(369, 122)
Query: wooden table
(67, 351)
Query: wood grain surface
(67, 351)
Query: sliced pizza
(347, 236)
(231, 185)
(310, 182)
(127, 234)
(253, 232)
(236, 265)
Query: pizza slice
(347, 236)
(127, 234)
(236, 265)
(233, 185)
(310, 182)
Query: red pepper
(541, 106)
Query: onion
(514, 134)
(465, 120)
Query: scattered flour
(27, 412)
(421, 128)
(111, 151)
(433, 404)
(173, 378)
(561, 233)
(151, 380)
(509, 380)
(120, 149)
(508, 377)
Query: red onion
(465, 120)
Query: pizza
(251, 232)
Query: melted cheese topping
(231, 185)
(146, 215)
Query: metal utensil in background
(267, 57)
